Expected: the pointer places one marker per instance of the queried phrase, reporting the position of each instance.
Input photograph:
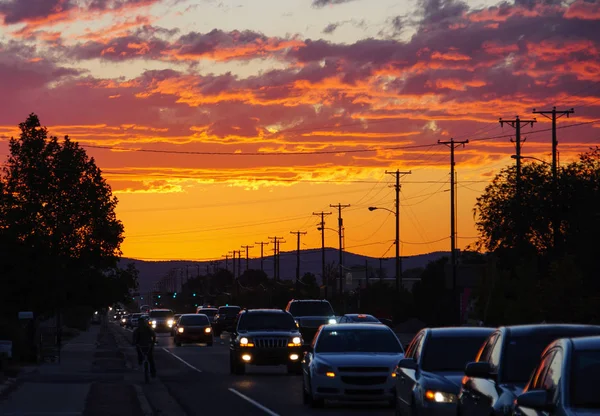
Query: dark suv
(161, 319)
(310, 315)
(265, 337)
(225, 319)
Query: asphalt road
(198, 377)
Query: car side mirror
(408, 364)
(536, 399)
(480, 370)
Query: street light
(397, 243)
(530, 157)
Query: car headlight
(207, 330)
(123, 320)
(180, 329)
(170, 322)
(153, 323)
(440, 397)
(324, 369)
(332, 321)
(295, 342)
(245, 342)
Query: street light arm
(385, 209)
(530, 157)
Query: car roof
(263, 311)
(541, 329)
(161, 310)
(586, 343)
(344, 327)
(209, 308)
(191, 314)
(460, 331)
(310, 300)
(359, 314)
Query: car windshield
(229, 310)
(362, 318)
(358, 341)
(585, 379)
(450, 353)
(194, 320)
(208, 312)
(160, 314)
(311, 309)
(522, 356)
(266, 321)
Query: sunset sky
(221, 123)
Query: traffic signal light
(194, 294)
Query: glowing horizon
(218, 125)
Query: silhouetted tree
(518, 229)
(253, 278)
(58, 214)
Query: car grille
(364, 369)
(364, 381)
(270, 342)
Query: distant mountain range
(310, 261)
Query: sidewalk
(90, 380)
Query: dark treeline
(59, 236)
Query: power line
(315, 152)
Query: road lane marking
(254, 402)
(182, 360)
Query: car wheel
(294, 368)
(305, 394)
(240, 368)
(231, 364)
(314, 403)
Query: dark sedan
(193, 328)
(504, 365)
(358, 318)
(566, 381)
(429, 376)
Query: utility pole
(239, 268)
(233, 262)
(226, 261)
(279, 258)
(275, 247)
(453, 144)
(298, 234)
(398, 175)
(381, 260)
(247, 247)
(262, 244)
(340, 207)
(516, 124)
(322, 214)
(555, 115)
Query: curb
(144, 404)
